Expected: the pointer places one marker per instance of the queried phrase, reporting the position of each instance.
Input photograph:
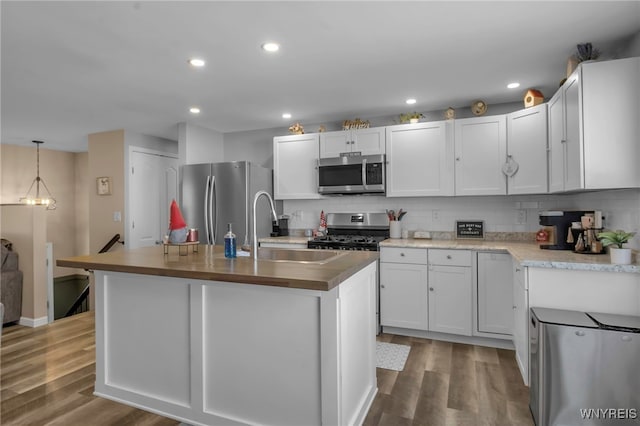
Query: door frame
(127, 183)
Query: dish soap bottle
(229, 243)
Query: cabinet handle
(517, 269)
(449, 256)
(382, 286)
(457, 158)
(514, 307)
(430, 288)
(401, 254)
(563, 141)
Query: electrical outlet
(435, 215)
(117, 216)
(521, 217)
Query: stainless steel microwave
(352, 174)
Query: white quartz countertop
(528, 254)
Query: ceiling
(74, 68)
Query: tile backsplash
(621, 209)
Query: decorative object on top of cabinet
(478, 107)
(450, 113)
(586, 52)
(296, 129)
(411, 117)
(355, 124)
(322, 128)
(533, 97)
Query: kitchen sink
(304, 256)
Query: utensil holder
(395, 230)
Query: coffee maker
(558, 223)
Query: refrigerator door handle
(213, 207)
(206, 210)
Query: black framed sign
(470, 229)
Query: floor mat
(391, 356)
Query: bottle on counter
(229, 243)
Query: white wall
(199, 145)
(621, 209)
(255, 146)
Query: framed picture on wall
(103, 185)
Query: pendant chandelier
(38, 200)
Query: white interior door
(153, 185)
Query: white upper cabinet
(526, 165)
(480, 152)
(295, 167)
(593, 128)
(420, 159)
(556, 142)
(565, 147)
(365, 141)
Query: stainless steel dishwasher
(584, 368)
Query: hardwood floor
(450, 384)
(47, 376)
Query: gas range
(353, 231)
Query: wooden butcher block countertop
(209, 263)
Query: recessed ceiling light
(271, 47)
(410, 101)
(513, 85)
(286, 115)
(196, 62)
(194, 110)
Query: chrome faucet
(255, 231)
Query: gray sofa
(10, 284)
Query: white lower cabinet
(428, 296)
(403, 295)
(495, 294)
(450, 299)
(521, 320)
(450, 291)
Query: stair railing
(81, 303)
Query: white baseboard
(454, 338)
(33, 322)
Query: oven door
(352, 175)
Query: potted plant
(411, 117)
(614, 240)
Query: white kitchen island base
(212, 352)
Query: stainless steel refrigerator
(215, 194)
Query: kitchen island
(208, 340)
